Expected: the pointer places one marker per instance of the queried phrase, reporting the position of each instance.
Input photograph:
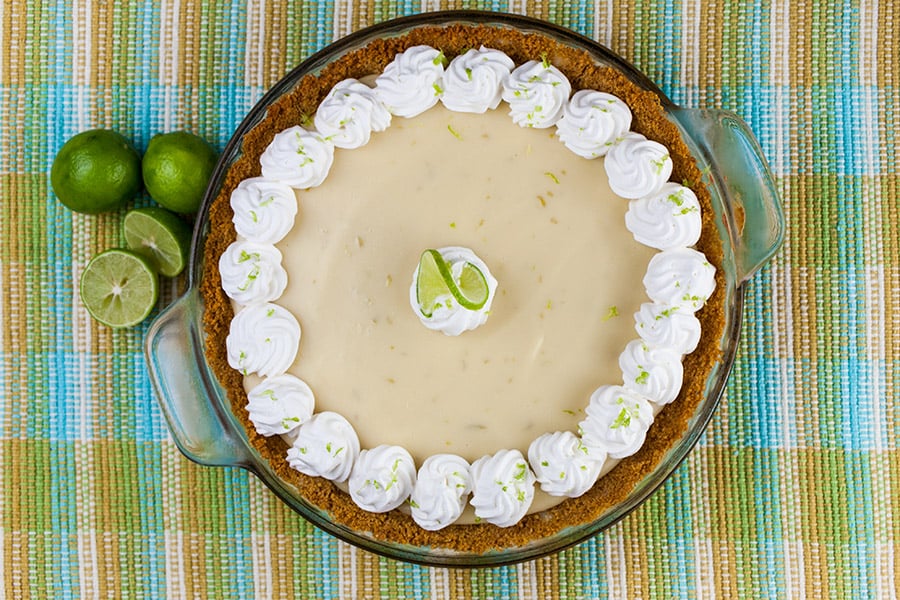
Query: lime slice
(160, 236)
(119, 288)
(472, 286)
(435, 280)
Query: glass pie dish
(748, 219)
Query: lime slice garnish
(435, 280)
(160, 236)
(119, 288)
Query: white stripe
(260, 542)
(347, 570)
(616, 565)
(690, 53)
(699, 471)
(526, 580)
(261, 46)
(169, 59)
(3, 593)
(439, 582)
(343, 16)
(171, 512)
(703, 555)
(876, 328)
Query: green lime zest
(435, 280)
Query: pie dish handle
(185, 391)
(751, 207)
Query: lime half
(119, 288)
(435, 280)
(160, 236)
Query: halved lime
(160, 236)
(435, 280)
(119, 288)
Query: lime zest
(611, 313)
(435, 280)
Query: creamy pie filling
(392, 395)
(549, 227)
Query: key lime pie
(463, 287)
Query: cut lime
(473, 287)
(119, 288)
(435, 280)
(160, 236)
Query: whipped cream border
(638, 169)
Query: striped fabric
(794, 491)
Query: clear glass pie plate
(748, 217)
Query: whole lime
(177, 167)
(96, 171)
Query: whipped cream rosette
(350, 113)
(412, 82)
(264, 337)
(442, 489)
(502, 487)
(563, 465)
(637, 167)
(617, 421)
(280, 404)
(593, 122)
(326, 446)
(472, 81)
(537, 93)
(252, 272)
(668, 219)
(680, 277)
(382, 478)
(264, 210)
(449, 316)
(668, 326)
(298, 158)
(654, 372)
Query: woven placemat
(794, 491)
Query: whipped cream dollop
(592, 122)
(263, 339)
(670, 218)
(672, 327)
(563, 465)
(252, 272)
(473, 81)
(449, 317)
(264, 210)
(502, 487)
(654, 372)
(537, 93)
(298, 158)
(637, 167)
(413, 82)
(280, 404)
(350, 113)
(382, 478)
(442, 489)
(680, 277)
(617, 421)
(326, 446)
